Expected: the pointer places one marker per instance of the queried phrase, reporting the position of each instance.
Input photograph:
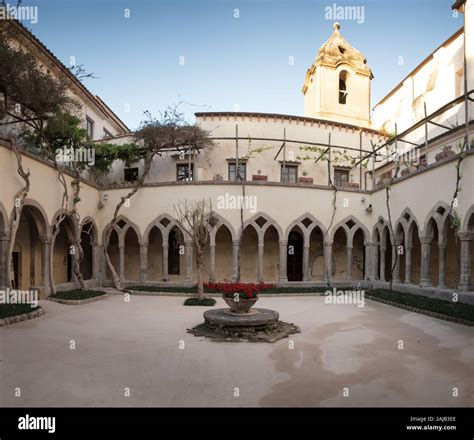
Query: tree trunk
(200, 286)
(18, 203)
(78, 257)
(141, 181)
(115, 278)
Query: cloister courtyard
(138, 353)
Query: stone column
(235, 259)
(261, 247)
(370, 261)
(442, 265)
(306, 268)
(408, 251)
(95, 259)
(382, 263)
(283, 276)
(465, 269)
(143, 261)
(122, 262)
(212, 263)
(396, 257)
(45, 263)
(349, 263)
(4, 243)
(164, 261)
(328, 261)
(188, 261)
(376, 260)
(425, 275)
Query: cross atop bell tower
(337, 85)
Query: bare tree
(168, 132)
(196, 220)
(29, 97)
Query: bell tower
(337, 85)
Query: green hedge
(8, 310)
(200, 302)
(77, 295)
(457, 310)
(193, 289)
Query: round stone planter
(242, 306)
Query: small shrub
(8, 310)
(200, 302)
(77, 295)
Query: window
(90, 127)
(242, 171)
(130, 174)
(343, 87)
(183, 172)
(289, 174)
(341, 177)
(107, 133)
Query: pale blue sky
(228, 60)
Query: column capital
(426, 240)
(328, 243)
(144, 244)
(45, 239)
(283, 242)
(398, 241)
(465, 236)
(235, 242)
(442, 245)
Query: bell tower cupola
(337, 85)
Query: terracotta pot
(243, 305)
(353, 185)
(444, 154)
(259, 177)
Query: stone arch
(29, 264)
(158, 223)
(467, 216)
(350, 229)
(39, 216)
(93, 230)
(439, 214)
(261, 229)
(221, 221)
(306, 229)
(121, 231)
(61, 257)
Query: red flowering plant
(245, 290)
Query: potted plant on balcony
(259, 176)
(444, 153)
(306, 180)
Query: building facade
(315, 209)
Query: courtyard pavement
(138, 353)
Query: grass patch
(295, 290)
(77, 295)
(200, 302)
(190, 289)
(8, 310)
(193, 289)
(456, 310)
